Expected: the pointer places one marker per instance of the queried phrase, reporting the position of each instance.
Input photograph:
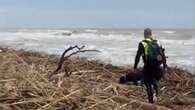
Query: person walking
(153, 56)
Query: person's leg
(156, 86)
(149, 91)
(148, 82)
(157, 77)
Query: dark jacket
(140, 52)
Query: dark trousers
(151, 87)
(152, 75)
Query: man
(153, 56)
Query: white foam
(118, 49)
(62, 32)
(169, 32)
(91, 31)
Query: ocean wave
(169, 32)
(91, 31)
(189, 42)
(118, 49)
(63, 33)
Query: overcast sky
(96, 13)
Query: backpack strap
(145, 43)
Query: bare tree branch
(65, 57)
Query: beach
(97, 55)
(118, 46)
(91, 85)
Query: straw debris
(24, 85)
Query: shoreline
(119, 55)
(24, 84)
(189, 70)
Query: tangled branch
(65, 57)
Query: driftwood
(24, 85)
(65, 57)
(148, 106)
(183, 100)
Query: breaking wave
(117, 49)
(169, 32)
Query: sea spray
(117, 46)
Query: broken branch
(64, 57)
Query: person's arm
(140, 51)
(164, 58)
(164, 61)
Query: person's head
(147, 33)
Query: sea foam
(117, 48)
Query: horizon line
(96, 27)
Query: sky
(97, 13)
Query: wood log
(139, 104)
(183, 100)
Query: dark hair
(147, 31)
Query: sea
(117, 46)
